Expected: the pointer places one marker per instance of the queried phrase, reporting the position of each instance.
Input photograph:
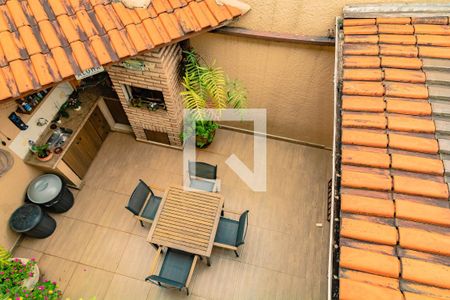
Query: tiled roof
(43, 42)
(394, 199)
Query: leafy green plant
(41, 151)
(208, 87)
(5, 255)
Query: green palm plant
(207, 86)
(5, 255)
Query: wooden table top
(187, 220)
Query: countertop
(75, 121)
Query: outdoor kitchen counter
(75, 121)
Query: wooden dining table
(187, 220)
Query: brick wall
(161, 73)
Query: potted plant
(42, 152)
(19, 279)
(16, 272)
(208, 87)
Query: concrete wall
(14, 183)
(294, 82)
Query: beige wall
(13, 184)
(300, 16)
(293, 81)
(282, 78)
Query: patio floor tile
(123, 287)
(88, 282)
(105, 249)
(57, 269)
(137, 258)
(71, 240)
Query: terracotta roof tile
(38, 10)
(430, 20)
(432, 29)
(417, 164)
(358, 22)
(402, 75)
(395, 29)
(4, 90)
(426, 290)
(397, 39)
(363, 180)
(363, 103)
(9, 46)
(370, 262)
(355, 290)
(433, 40)
(24, 76)
(17, 14)
(49, 34)
(360, 49)
(81, 55)
(364, 138)
(412, 296)
(89, 33)
(362, 88)
(377, 280)
(392, 20)
(369, 231)
(363, 39)
(363, 74)
(366, 158)
(425, 272)
(410, 124)
(398, 50)
(10, 81)
(361, 62)
(406, 90)
(29, 40)
(362, 205)
(401, 62)
(44, 70)
(420, 187)
(363, 29)
(359, 120)
(423, 213)
(434, 52)
(423, 240)
(408, 107)
(413, 143)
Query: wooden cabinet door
(87, 143)
(100, 124)
(77, 159)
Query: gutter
(335, 205)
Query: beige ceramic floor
(99, 249)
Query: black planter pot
(205, 141)
(50, 192)
(33, 221)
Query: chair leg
(187, 291)
(142, 223)
(235, 252)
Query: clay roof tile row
(395, 216)
(43, 42)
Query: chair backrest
(203, 170)
(138, 197)
(242, 229)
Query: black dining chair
(143, 203)
(231, 233)
(203, 176)
(176, 269)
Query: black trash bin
(32, 220)
(51, 192)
